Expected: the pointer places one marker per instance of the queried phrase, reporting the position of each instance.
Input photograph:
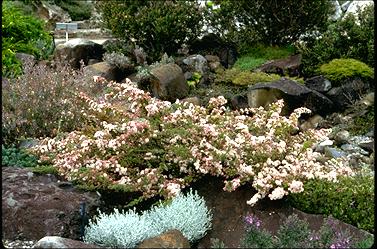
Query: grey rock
(104, 69)
(311, 123)
(370, 133)
(197, 62)
(333, 152)
(287, 66)
(341, 137)
(60, 242)
(318, 83)
(193, 100)
(320, 146)
(351, 148)
(295, 95)
(78, 49)
(347, 94)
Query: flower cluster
(158, 148)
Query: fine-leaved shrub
(186, 213)
(116, 59)
(339, 70)
(348, 200)
(295, 233)
(42, 102)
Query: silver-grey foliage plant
(186, 213)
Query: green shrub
(77, 10)
(350, 37)
(45, 169)
(339, 70)
(360, 125)
(157, 26)
(13, 156)
(295, 233)
(42, 102)
(22, 33)
(348, 200)
(271, 22)
(186, 213)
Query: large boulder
(79, 49)
(170, 239)
(349, 92)
(294, 94)
(59, 242)
(318, 83)
(106, 70)
(196, 63)
(169, 82)
(34, 206)
(287, 66)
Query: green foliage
(158, 26)
(350, 37)
(347, 200)
(295, 233)
(271, 22)
(194, 80)
(13, 156)
(362, 124)
(77, 10)
(42, 102)
(45, 169)
(339, 70)
(22, 33)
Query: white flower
(296, 186)
(277, 193)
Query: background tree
(157, 26)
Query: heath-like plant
(186, 213)
(157, 148)
(295, 233)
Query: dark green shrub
(22, 33)
(349, 200)
(339, 70)
(13, 156)
(42, 102)
(77, 10)
(295, 233)
(157, 26)
(350, 37)
(271, 22)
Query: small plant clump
(347, 200)
(295, 233)
(339, 70)
(13, 156)
(186, 213)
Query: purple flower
(252, 220)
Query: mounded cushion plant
(186, 213)
(350, 199)
(339, 70)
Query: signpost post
(67, 27)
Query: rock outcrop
(34, 206)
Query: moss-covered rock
(338, 70)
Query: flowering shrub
(157, 148)
(42, 102)
(295, 233)
(186, 213)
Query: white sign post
(67, 27)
